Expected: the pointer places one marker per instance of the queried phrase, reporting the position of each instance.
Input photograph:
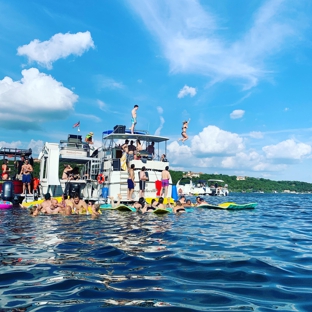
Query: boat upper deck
(141, 135)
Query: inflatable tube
(120, 207)
(161, 211)
(39, 201)
(229, 206)
(4, 204)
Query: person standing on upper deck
(134, 118)
(151, 149)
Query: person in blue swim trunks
(134, 118)
(131, 183)
(26, 171)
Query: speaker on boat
(119, 129)
(7, 191)
(73, 138)
(74, 188)
(116, 164)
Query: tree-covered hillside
(250, 184)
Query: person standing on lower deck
(26, 171)
(165, 178)
(134, 118)
(143, 179)
(131, 183)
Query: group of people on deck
(143, 178)
(24, 169)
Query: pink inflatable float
(4, 204)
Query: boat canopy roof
(14, 152)
(214, 180)
(111, 135)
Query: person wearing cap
(89, 138)
(143, 178)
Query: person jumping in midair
(184, 127)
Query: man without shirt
(26, 171)
(46, 204)
(79, 205)
(165, 178)
(134, 118)
(131, 183)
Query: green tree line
(249, 184)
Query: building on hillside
(191, 174)
(240, 178)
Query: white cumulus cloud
(214, 141)
(237, 113)
(288, 149)
(36, 98)
(186, 90)
(58, 46)
(14, 144)
(36, 146)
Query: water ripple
(207, 260)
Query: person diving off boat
(89, 139)
(184, 128)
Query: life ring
(101, 178)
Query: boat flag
(77, 124)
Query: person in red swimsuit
(5, 170)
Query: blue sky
(241, 70)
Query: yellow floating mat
(39, 201)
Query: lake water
(206, 260)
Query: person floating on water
(133, 118)
(184, 128)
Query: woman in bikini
(5, 170)
(184, 128)
(178, 207)
(153, 205)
